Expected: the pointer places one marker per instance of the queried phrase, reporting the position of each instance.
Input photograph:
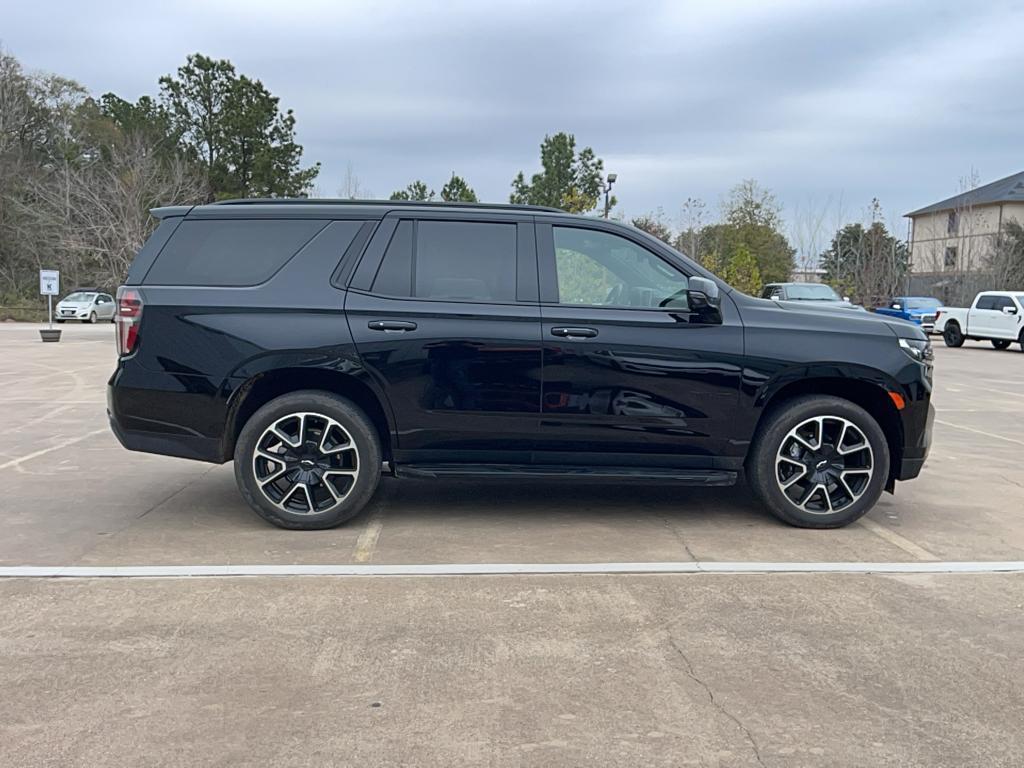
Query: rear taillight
(129, 315)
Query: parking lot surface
(556, 669)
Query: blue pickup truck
(916, 309)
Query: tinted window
(450, 260)
(601, 269)
(1002, 301)
(230, 252)
(986, 302)
(394, 278)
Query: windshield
(923, 303)
(811, 291)
(80, 296)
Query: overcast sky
(816, 100)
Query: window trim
(548, 271)
(365, 273)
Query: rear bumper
(150, 434)
(182, 446)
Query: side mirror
(703, 293)
(894, 306)
(1009, 310)
(847, 298)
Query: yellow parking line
(368, 538)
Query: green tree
(770, 248)
(569, 180)
(741, 271)
(231, 125)
(417, 190)
(654, 224)
(458, 191)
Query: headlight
(920, 350)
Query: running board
(673, 475)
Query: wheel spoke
(274, 476)
(788, 482)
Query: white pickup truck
(996, 316)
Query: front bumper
(916, 451)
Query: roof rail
(397, 203)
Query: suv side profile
(319, 344)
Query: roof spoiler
(169, 211)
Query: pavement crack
(183, 488)
(679, 537)
(715, 702)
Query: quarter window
(601, 269)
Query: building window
(950, 260)
(953, 223)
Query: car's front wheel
(92, 318)
(308, 460)
(819, 462)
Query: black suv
(321, 343)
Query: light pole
(607, 191)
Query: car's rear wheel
(818, 462)
(1000, 343)
(308, 460)
(952, 335)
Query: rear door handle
(574, 333)
(391, 325)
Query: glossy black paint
(483, 384)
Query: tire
(772, 462)
(92, 318)
(303, 498)
(58, 321)
(952, 335)
(1000, 343)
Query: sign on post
(49, 286)
(49, 282)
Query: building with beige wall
(959, 234)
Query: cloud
(680, 99)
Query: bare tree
(97, 213)
(692, 218)
(351, 188)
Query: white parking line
(51, 449)
(897, 540)
(499, 569)
(980, 432)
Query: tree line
(79, 173)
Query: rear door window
(230, 252)
(986, 302)
(450, 261)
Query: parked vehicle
(995, 316)
(319, 343)
(818, 293)
(87, 306)
(916, 309)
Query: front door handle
(391, 325)
(574, 333)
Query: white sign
(49, 282)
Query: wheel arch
(260, 389)
(869, 395)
